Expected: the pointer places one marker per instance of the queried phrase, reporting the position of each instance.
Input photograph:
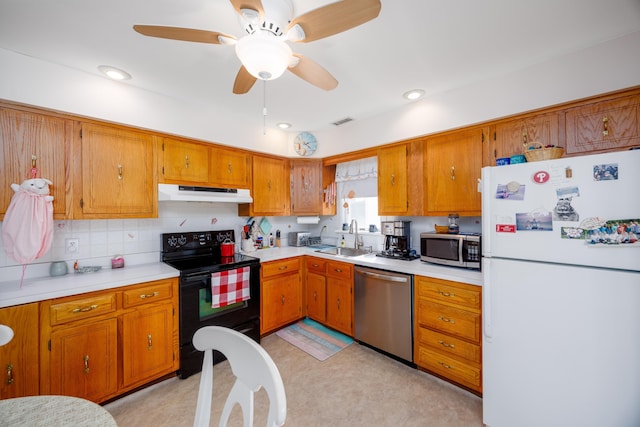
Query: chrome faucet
(354, 229)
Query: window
(364, 210)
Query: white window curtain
(355, 180)
(357, 169)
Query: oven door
(196, 312)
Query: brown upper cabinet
(453, 164)
(270, 188)
(229, 168)
(25, 134)
(514, 136)
(305, 187)
(115, 173)
(400, 182)
(612, 124)
(184, 162)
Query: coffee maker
(397, 240)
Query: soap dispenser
(343, 243)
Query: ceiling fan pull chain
(264, 107)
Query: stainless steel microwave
(457, 250)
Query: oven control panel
(173, 242)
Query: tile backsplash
(138, 240)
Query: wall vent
(343, 121)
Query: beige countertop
(417, 267)
(43, 288)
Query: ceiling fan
(269, 24)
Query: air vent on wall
(343, 121)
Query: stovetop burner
(402, 255)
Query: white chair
(253, 368)
(6, 334)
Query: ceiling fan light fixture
(264, 56)
(114, 73)
(413, 94)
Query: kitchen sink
(348, 252)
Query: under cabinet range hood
(188, 193)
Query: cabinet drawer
(340, 270)
(274, 268)
(449, 345)
(450, 320)
(156, 291)
(450, 293)
(82, 308)
(459, 372)
(316, 265)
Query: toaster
(299, 238)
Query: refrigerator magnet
(534, 221)
(511, 191)
(607, 172)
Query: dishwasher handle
(383, 276)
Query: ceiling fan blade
(313, 73)
(335, 18)
(244, 82)
(183, 34)
(256, 5)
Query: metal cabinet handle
(86, 363)
(337, 270)
(446, 344)
(9, 374)
(393, 179)
(186, 162)
(446, 319)
(154, 294)
(229, 168)
(149, 342)
(84, 309)
(444, 365)
(338, 303)
(282, 299)
(283, 267)
(315, 296)
(453, 173)
(120, 172)
(447, 294)
(605, 126)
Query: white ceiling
(434, 46)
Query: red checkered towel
(229, 287)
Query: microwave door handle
(461, 252)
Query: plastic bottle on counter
(271, 241)
(343, 243)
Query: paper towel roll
(308, 219)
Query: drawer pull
(86, 363)
(447, 294)
(337, 270)
(446, 344)
(283, 267)
(446, 319)
(85, 309)
(315, 265)
(154, 294)
(149, 342)
(444, 365)
(605, 126)
(9, 374)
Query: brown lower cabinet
(280, 293)
(101, 344)
(447, 331)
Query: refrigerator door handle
(486, 299)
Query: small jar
(58, 268)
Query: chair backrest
(253, 368)
(6, 334)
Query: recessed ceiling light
(413, 94)
(114, 73)
(283, 125)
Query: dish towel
(230, 286)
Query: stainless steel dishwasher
(383, 311)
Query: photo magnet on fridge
(534, 221)
(606, 172)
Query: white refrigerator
(561, 292)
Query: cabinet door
(340, 305)
(316, 297)
(118, 174)
(453, 164)
(185, 162)
(23, 135)
(306, 191)
(147, 348)
(19, 358)
(281, 301)
(515, 136)
(270, 186)
(84, 360)
(603, 126)
(392, 181)
(229, 169)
